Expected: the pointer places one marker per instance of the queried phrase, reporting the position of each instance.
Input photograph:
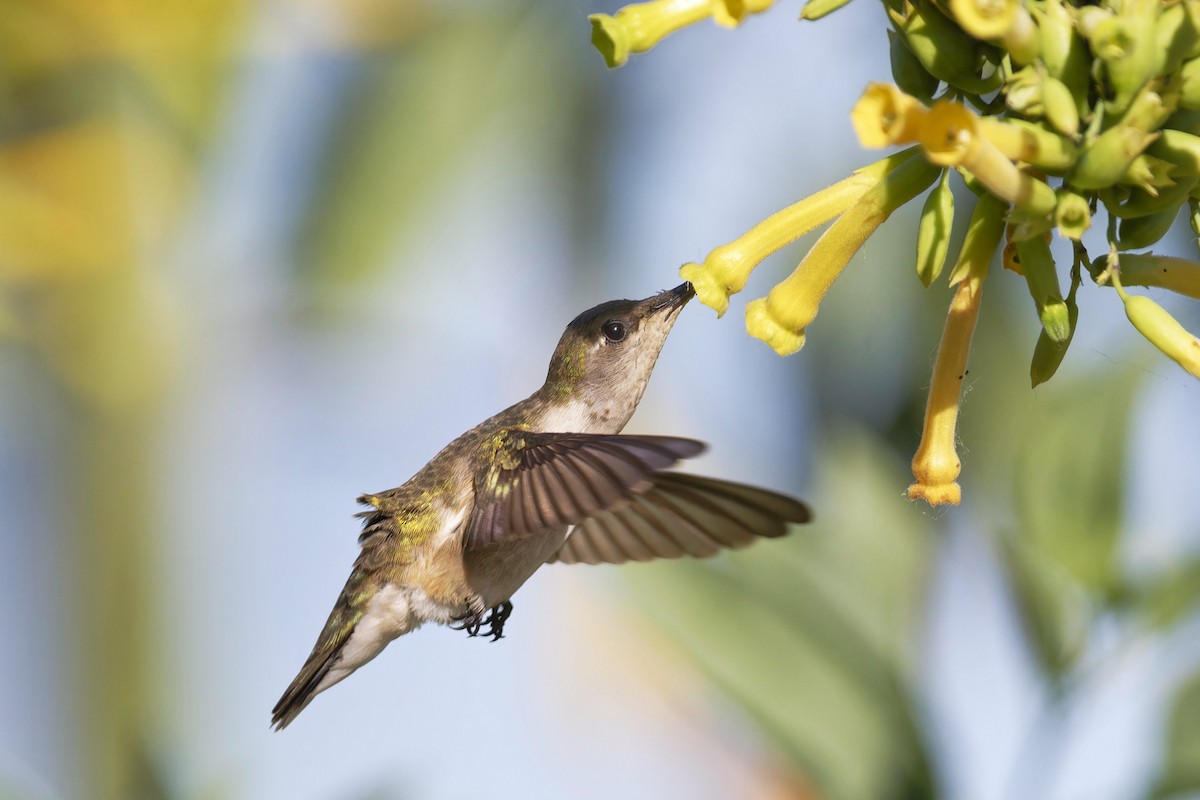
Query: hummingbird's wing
(546, 481)
(623, 503)
(535, 486)
(681, 515)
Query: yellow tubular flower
(1163, 272)
(985, 19)
(816, 9)
(1163, 331)
(780, 318)
(936, 464)
(1025, 141)
(884, 116)
(730, 13)
(951, 136)
(638, 27)
(726, 269)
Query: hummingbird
(549, 479)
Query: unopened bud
(1040, 275)
(933, 232)
(1161, 329)
(1072, 215)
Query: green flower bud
(945, 50)
(1105, 160)
(1186, 120)
(1179, 148)
(907, 71)
(984, 232)
(1047, 353)
(1088, 18)
(1025, 225)
(1023, 92)
(1149, 173)
(1127, 203)
(1060, 110)
(1189, 76)
(1138, 232)
(1022, 41)
(1038, 266)
(1148, 111)
(933, 233)
(1072, 215)
(1063, 52)
(1126, 44)
(1176, 33)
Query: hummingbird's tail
(318, 672)
(363, 621)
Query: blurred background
(259, 257)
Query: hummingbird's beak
(673, 298)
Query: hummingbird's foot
(496, 619)
(471, 623)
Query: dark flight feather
(680, 515)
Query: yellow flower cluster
(1051, 112)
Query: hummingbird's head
(609, 351)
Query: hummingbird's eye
(614, 330)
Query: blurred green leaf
(1055, 613)
(1169, 597)
(812, 635)
(1070, 479)
(1070, 488)
(413, 124)
(1180, 771)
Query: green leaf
(1054, 611)
(1180, 771)
(1070, 484)
(1171, 596)
(418, 116)
(1069, 497)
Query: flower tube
(780, 318)
(726, 268)
(936, 464)
(638, 27)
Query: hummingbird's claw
(497, 618)
(469, 623)
(473, 622)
